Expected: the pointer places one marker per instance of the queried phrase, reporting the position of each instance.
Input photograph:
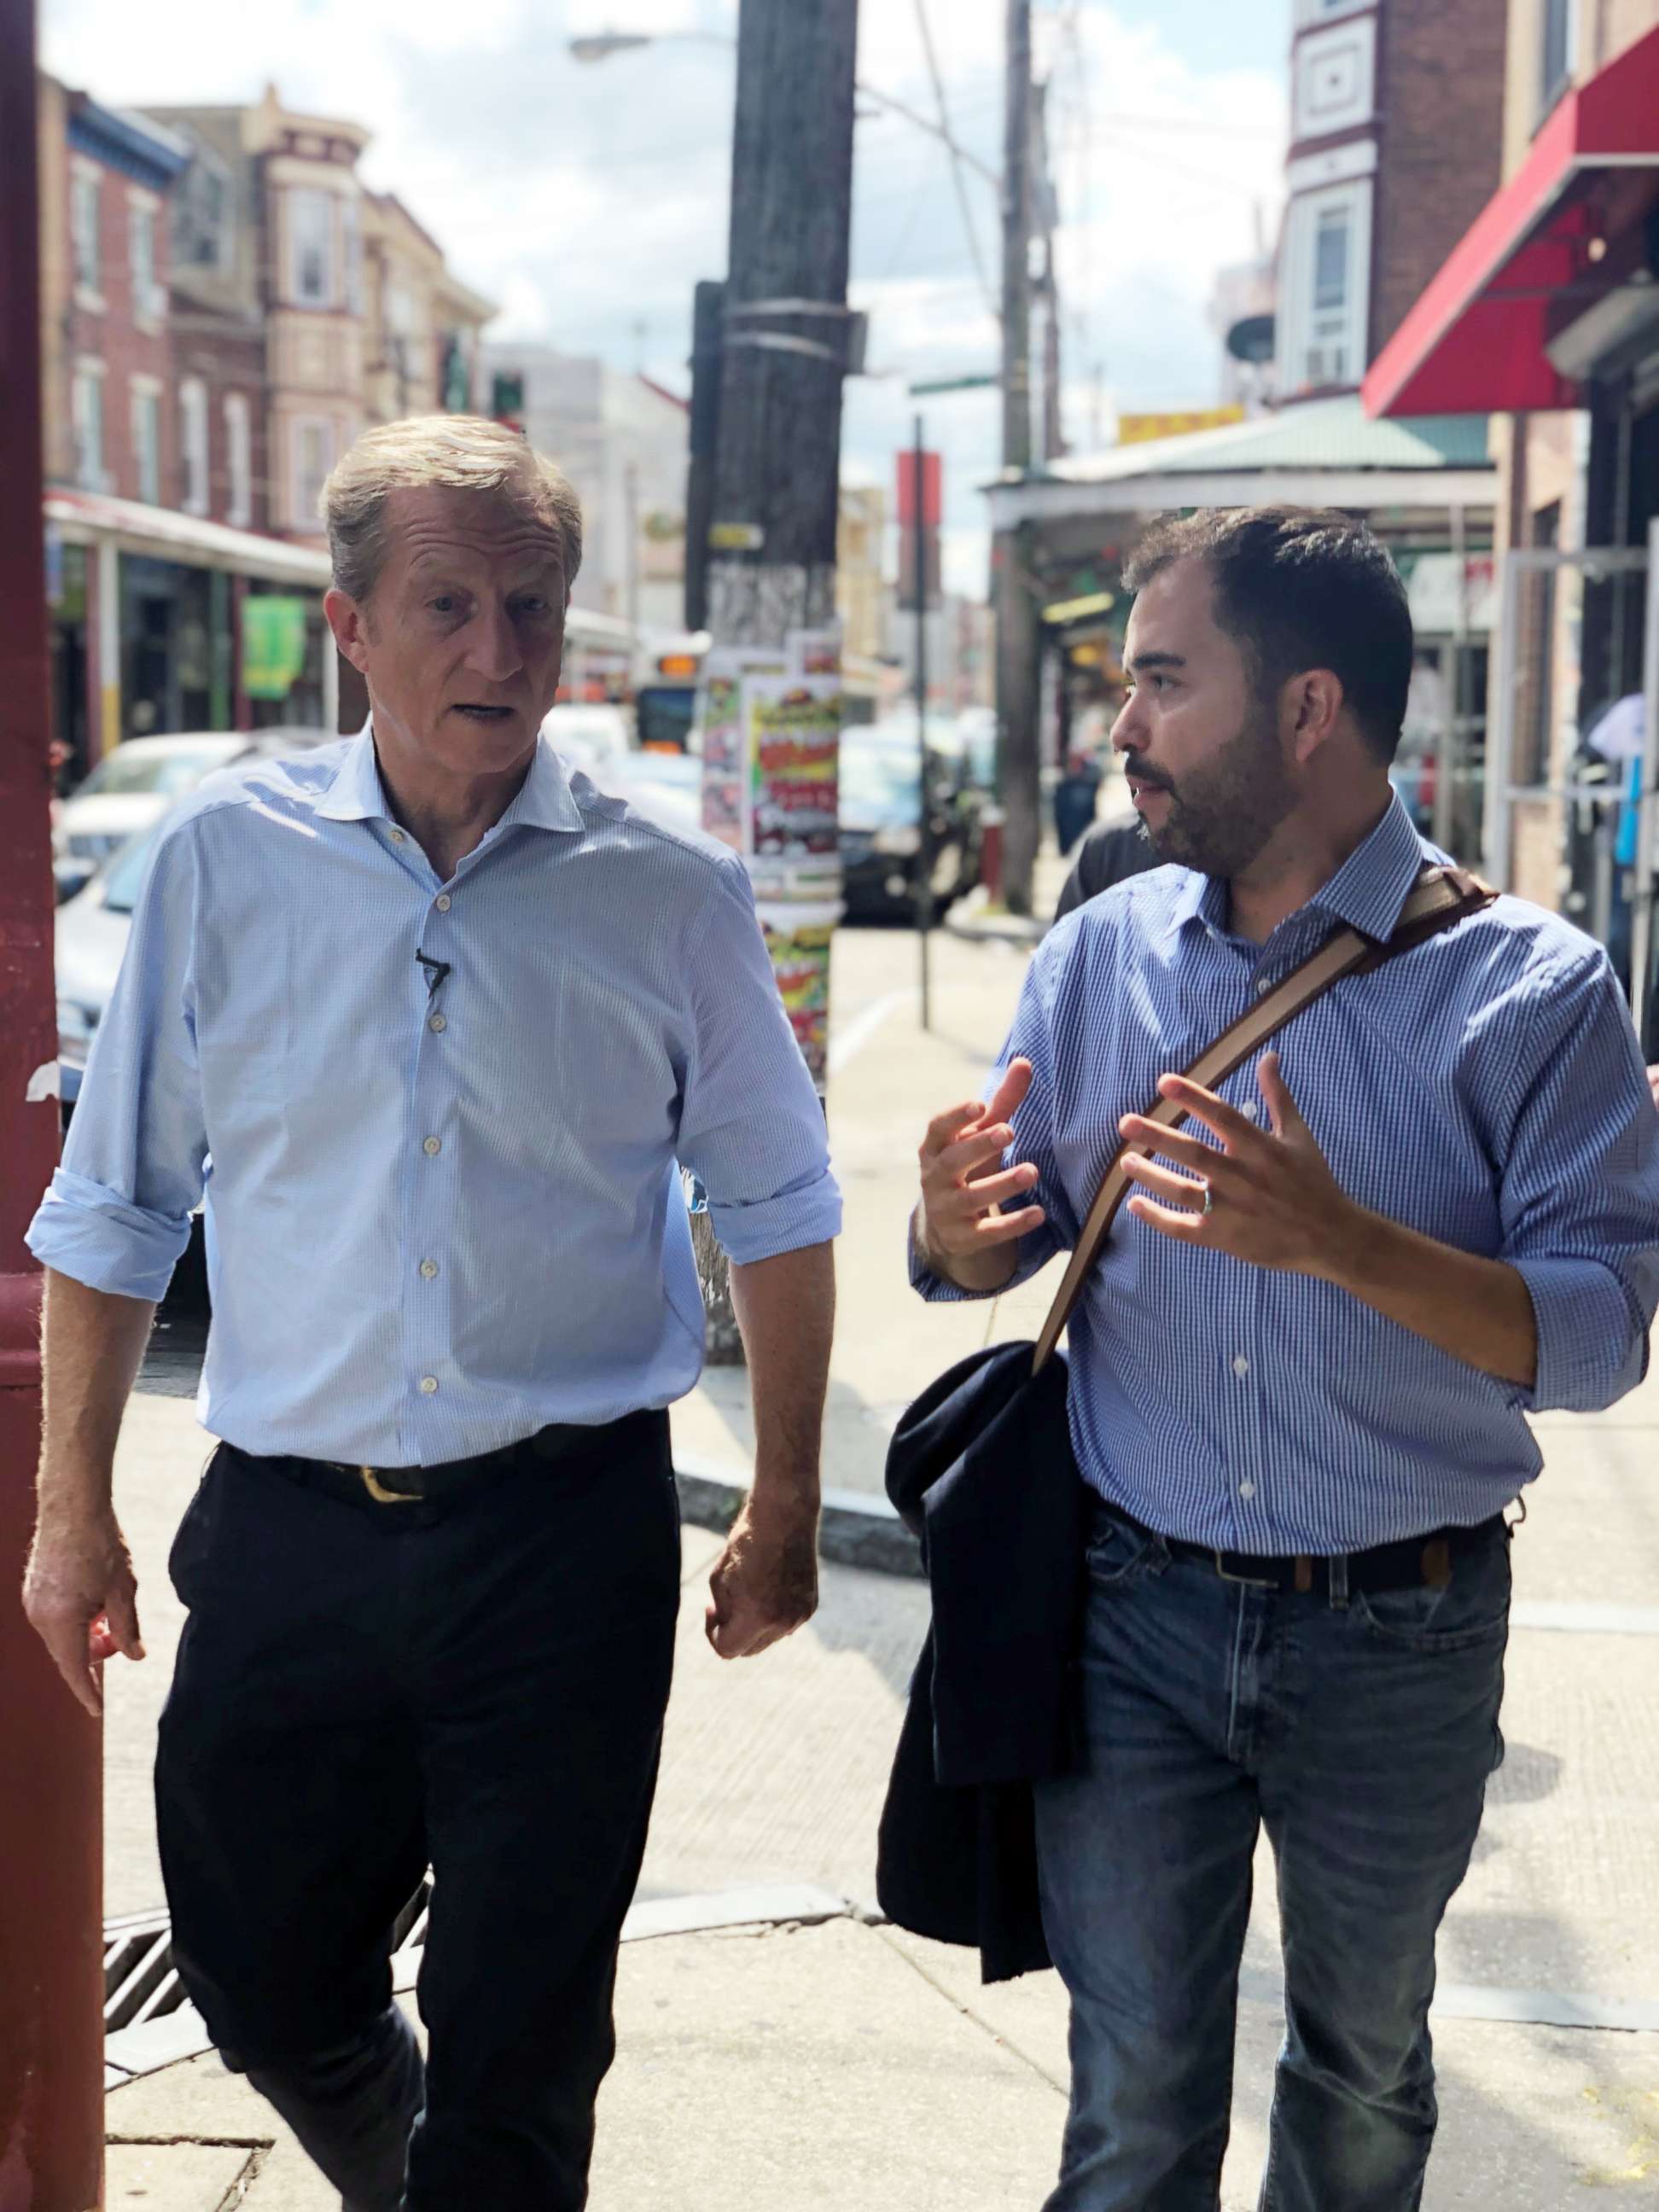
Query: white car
(134, 785)
(595, 739)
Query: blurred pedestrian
(1116, 848)
(447, 1021)
(1300, 1370)
(1075, 797)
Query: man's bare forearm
(1479, 1311)
(93, 1344)
(979, 1271)
(786, 1307)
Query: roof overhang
(162, 534)
(1534, 260)
(1056, 499)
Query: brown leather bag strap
(1440, 897)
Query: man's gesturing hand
(1275, 1201)
(765, 1582)
(958, 1225)
(82, 1600)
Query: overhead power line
(958, 179)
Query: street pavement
(841, 2064)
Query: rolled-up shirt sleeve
(117, 1213)
(1030, 1038)
(1579, 1194)
(752, 1125)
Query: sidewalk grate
(141, 1984)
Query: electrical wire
(974, 247)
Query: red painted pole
(50, 1830)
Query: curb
(132, 2052)
(996, 929)
(859, 1528)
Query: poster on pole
(794, 738)
(798, 939)
(725, 780)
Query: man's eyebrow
(1142, 661)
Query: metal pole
(51, 2083)
(1496, 858)
(924, 811)
(1454, 738)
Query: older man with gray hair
(436, 1025)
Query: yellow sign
(1136, 429)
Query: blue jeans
(1361, 1728)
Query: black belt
(378, 1488)
(1410, 1564)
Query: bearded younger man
(448, 1023)
(1300, 1371)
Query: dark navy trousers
(475, 1685)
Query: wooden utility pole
(1018, 776)
(52, 2025)
(777, 472)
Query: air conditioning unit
(1326, 364)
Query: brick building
(1396, 142)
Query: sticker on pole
(736, 537)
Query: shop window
(239, 448)
(147, 442)
(84, 208)
(88, 413)
(193, 443)
(311, 248)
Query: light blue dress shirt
(436, 1220)
(1486, 1088)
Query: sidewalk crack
(996, 2035)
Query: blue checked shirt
(436, 1223)
(1486, 1088)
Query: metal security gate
(1540, 798)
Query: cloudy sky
(587, 200)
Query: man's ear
(349, 624)
(1314, 702)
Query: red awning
(1474, 342)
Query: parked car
(667, 786)
(93, 924)
(133, 786)
(881, 843)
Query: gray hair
(466, 452)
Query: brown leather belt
(1411, 1564)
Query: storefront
(1547, 315)
(151, 630)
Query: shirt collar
(1367, 891)
(544, 801)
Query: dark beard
(1225, 812)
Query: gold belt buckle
(378, 1490)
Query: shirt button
(442, 902)
(397, 838)
(428, 1384)
(1250, 1109)
(433, 1146)
(1241, 1366)
(1264, 985)
(429, 1268)
(437, 1021)
(1245, 1489)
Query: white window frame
(1307, 329)
(90, 473)
(144, 408)
(351, 255)
(86, 212)
(303, 497)
(143, 220)
(188, 229)
(238, 460)
(301, 196)
(193, 447)
(1312, 15)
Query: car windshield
(167, 775)
(886, 777)
(124, 875)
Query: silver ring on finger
(1208, 1207)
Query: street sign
(954, 384)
